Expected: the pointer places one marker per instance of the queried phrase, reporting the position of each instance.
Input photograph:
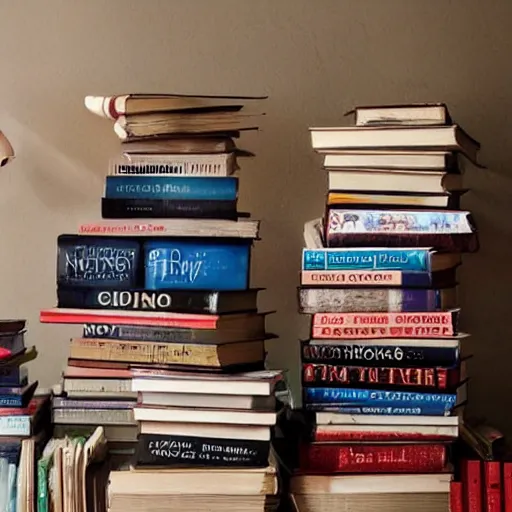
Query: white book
(333, 418)
(412, 114)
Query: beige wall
(316, 59)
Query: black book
(179, 301)
(113, 208)
(176, 451)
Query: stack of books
(384, 369)
(173, 346)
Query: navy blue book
(18, 397)
(13, 376)
(202, 264)
(171, 187)
(84, 261)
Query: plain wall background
(315, 59)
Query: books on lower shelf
(170, 362)
(384, 368)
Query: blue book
(434, 404)
(11, 376)
(405, 260)
(159, 187)
(197, 265)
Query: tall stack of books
(384, 370)
(173, 346)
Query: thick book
(444, 138)
(426, 160)
(420, 259)
(328, 458)
(413, 114)
(112, 107)
(395, 200)
(171, 187)
(217, 164)
(471, 476)
(180, 301)
(400, 353)
(197, 264)
(430, 404)
(168, 209)
(193, 228)
(492, 486)
(437, 324)
(325, 375)
(182, 145)
(182, 451)
(88, 262)
(189, 354)
(376, 300)
(451, 231)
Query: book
(415, 379)
(111, 107)
(186, 301)
(472, 482)
(242, 228)
(328, 458)
(444, 138)
(168, 209)
(406, 181)
(393, 200)
(335, 418)
(152, 318)
(187, 451)
(368, 159)
(414, 114)
(185, 144)
(216, 164)
(171, 187)
(399, 352)
(204, 355)
(352, 300)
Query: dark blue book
(11, 376)
(18, 397)
(165, 187)
(84, 261)
(202, 264)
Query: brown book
(200, 354)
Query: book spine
(372, 458)
(11, 375)
(360, 300)
(471, 482)
(100, 416)
(430, 379)
(366, 436)
(15, 425)
(172, 450)
(379, 410)
(403, 260)
(138, 300)
(7, 400)
(68, 403)
(167, 209)
(492, 486)
(456, 504)
(137, 333)
(507, 487)
(91, 262)
(173, 165)
(145, 352)
(379, 398)
(199, 266)
(360, 278)
(358, 354)
(152, 187)
(64, 316)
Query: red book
(456, 497)
(507, 487)
(325, 458)
(472, 483)
(492, 486)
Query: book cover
(352, 353)
(90, 262)
(172, 187)
(203, 265)
(167, 209)
(186, 451)
(328, 458)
